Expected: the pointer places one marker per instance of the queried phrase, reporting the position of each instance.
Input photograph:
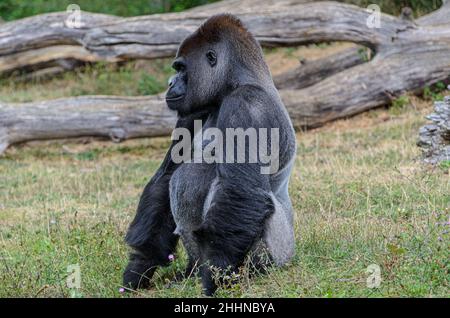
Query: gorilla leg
(279, 234)
(150, 234)
(192, 251)
(234, 222)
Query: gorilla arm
(240, 205)
(151, 232)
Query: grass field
(360, 193)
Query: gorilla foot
(137, 275)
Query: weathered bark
(108, 38)
(434, 138)
(413, 56)
(312, 72)
(113, 117)
(408, 55)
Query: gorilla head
(212, 62)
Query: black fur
(222, 79)
(150, 235)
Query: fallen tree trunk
(434, 138)
(108, 38)
(408, 55)
(312, 72)
(113, 117)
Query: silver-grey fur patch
(279, 234)
(210, 196)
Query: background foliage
(420, 7)
(16, 9)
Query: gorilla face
(176, 93)
(199, 77)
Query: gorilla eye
(211, 56)
(178, 66)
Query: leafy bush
(394, 7)
(434, 92)
(399, 104)
(16, 9)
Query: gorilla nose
(172, 80)
(177, 89)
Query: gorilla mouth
(175, 98)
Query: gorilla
(224, 213)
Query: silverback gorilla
(224, 212)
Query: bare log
(438, 17)
(434, 138)
(114, 117)
(312, 72)
(415, 56)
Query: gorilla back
(223, 210)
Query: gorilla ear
(212, 58)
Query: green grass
(131, 79)
(360, 194)
(434, 92)
(398, 105)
